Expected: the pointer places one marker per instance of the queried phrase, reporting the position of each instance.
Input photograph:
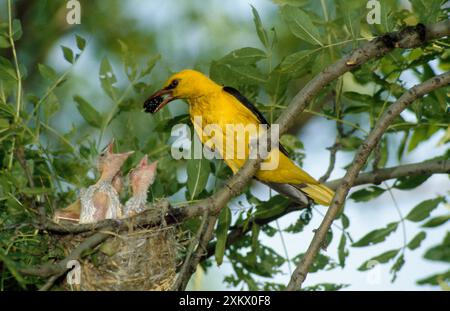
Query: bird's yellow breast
(221, 110)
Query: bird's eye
(173, 84)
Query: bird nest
(140, 259)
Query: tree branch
(59, 268)
(436, 166)
(187, 264)
(361, 157)
(206, 236)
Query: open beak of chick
(143, 175)
(158, 100)
(148, 169)
(110, 162)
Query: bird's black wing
(248, 104)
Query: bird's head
(143, 176)
(186, 84)
(109, 163)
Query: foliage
(42, 166)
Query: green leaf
(417, 240)
(324, 286)
(367, 194)
(81, 42)
(420, 134)
(129, 62)
(275, 206)
(435, 279)
(255, 243)
(222, 233)
(11, 266)
(427, 10)
(47, 72)
(302, 221)
(243, 56)
(376, 236)
(440, 252)
(345, 221)
(321, 262)
(4, 42)
(34, 191)
(402, 146)
(262, 34)
(4, 123)
(410, 182)
(92, 116)
(249, 74)
(198, 171)
(291, 2)
(297, 61)
(350, 143)
(301, 25)
(107, 78)
(16, 29)
(423, 210)
(277, 83)
(255, 234)
(397, 266)
(236, 75)
(7, 71)
(68, 54)
(382, 258)
(51, 105)
(342, 251)
(436, 221)
(358, 97)
(151, 62)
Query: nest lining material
(141, 259)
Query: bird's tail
(319, 193)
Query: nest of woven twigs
(140, 259)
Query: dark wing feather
(248, 104)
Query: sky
(183, 42)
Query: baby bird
(141, 178)
(101, 200)
(72, 212)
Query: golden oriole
(214, 104)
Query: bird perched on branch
(219, 106)
(141, 178)
(101, 200)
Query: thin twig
(18, 79)
(333, 151)
(201, 250)
(184, 271)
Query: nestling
(101, 200)
(141, 178)
(72, 212)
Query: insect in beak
(158, 100)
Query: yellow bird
(215, 105)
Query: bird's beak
(158, 100)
